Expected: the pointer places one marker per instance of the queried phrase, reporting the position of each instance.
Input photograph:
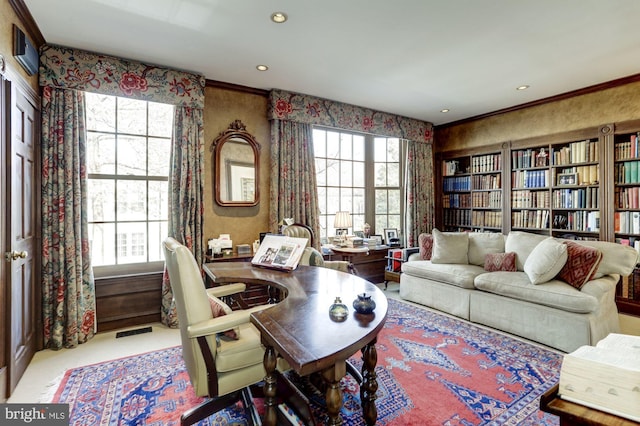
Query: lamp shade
(342, 221)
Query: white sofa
(551, 312)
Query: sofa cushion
(545, 260)
(450, 247)
(425, 242)
(555, 293)
(500, 262)
(483, 243)
(581, 265)
(454, 274)
(522, 243)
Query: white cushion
(450, 247)
(483, 243)
(522, 243)
(545, 261)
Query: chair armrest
(223, 323)
(226, 290)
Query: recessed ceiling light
(523, 87)
(262, 67)
(279, 17)
(444, 110)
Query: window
(128, 154)
(361, 174)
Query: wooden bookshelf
(579, 184)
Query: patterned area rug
(432, 370)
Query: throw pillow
(500, 262)
(450, 247)
(582, 264)
(425, 242)
(545, 261)
(218, 309)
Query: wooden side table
(370, 263)
(572, 414)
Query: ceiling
(407, 57)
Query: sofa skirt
(443, 297)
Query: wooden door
(21, 253)
(4, 239)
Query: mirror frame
(236, 130)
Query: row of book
(627, 198)
(577, 152)
(582, 221)
(456, 201)
(530, 178)
(626, 222)
(530, 219)
(491, 219)
(526, 199)
(627, 150)
(487, 182)
(490, 200)
(457, 217)
(457, 183)
(486, 163)
(627, 172)
(581, 198)
(528, 158)
(629, 285)
(584, 175)
(451, 167)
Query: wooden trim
(567, 95)
(27, 20)
(236, 87)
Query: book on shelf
(605, 377)
(279, 252)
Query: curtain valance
(301, 108)
(68, 68)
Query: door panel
(22, 221)
(4, 238)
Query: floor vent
(133, 332)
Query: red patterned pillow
(582, 264)
(500, 262)
(218, 310)
(425, 242)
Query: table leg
(333, 396)
(369, 385)
(270, 386)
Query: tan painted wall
(6, 42)
(591, 110)
(222, 107)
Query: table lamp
(342, 223)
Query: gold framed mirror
(236, 167)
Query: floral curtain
(293, 176)
(68, 292)
(294, 107)
(419, 203)
(76, 70)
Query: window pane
(100, 112)
(358, 174)
(394, 221)
(132, 200)
(393, 201)
(346, 146)
(132, 154)
(160, 119)
(158, 200)
(102, 243)
(159, 154)
(393, 150)
(381, 201)
(132, 116)
(101, 153)
(393, 174)
(358, 201)
(333, 173)
(380, 153)
(102, 197)
(157, 233)
(346, 199)
(321, 171)
(333, 145)
(358, 148)
(322, 200)
(345, 173)
(333, 200)
(380, 170)
(319, 143)
(132, 242)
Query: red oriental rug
(432, 370)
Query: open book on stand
(279, 252)
(605, 377)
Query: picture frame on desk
(378, 239)
(568, 179)
(391, 236)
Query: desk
(300, 331)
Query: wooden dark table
(572, 414)
(300, 330)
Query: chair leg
(355, 373)
(209, 407)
